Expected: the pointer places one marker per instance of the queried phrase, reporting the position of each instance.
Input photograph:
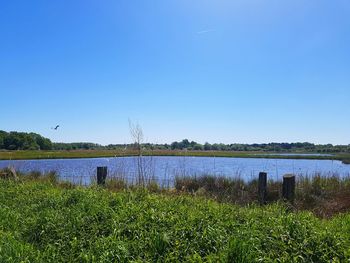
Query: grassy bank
(23, 155)
(45, 221)
(323, 196)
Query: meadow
(62, 154)
(45, 220)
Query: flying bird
(57, 126)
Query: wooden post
(262, 188)
(288, 191)
(101, 175)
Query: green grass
(44, 221)
(325, 196)
(23, 155)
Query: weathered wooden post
(288, 191)
(262, 188)
(101, 175)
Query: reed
(314, 193)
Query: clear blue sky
(207, 70)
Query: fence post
(101, 175)
(288, 191)
(262, 188)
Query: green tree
(207, 146)
(198, 147)
(3, 134)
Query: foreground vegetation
(324, 196)
(42, 220)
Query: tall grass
(323, 195)
(9, 174)
(43, 222)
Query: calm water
(164, 169)
(298, 154)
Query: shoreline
(85, 154)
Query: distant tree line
(33, 141)
(267, 147)
(77, 146)
(23, 141)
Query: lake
(164, 168)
